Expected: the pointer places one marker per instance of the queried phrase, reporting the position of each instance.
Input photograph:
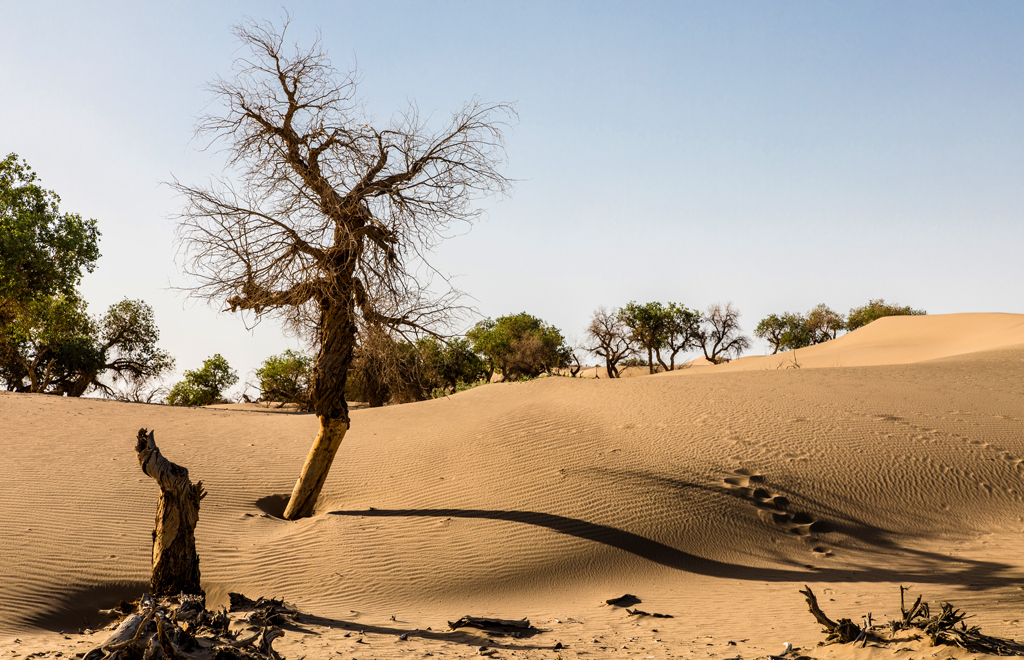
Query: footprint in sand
(774, 508)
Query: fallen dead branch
(263, 611)
(945, 628)
(842, 631)
(656, 615)
(485, 623)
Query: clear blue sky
(775, 154)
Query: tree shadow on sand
(932, 568)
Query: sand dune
(713, 494)
(895, 340)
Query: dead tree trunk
(314, 472)
(175, 562)
(337, 349)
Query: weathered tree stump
(175, 561)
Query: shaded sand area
(712, 494)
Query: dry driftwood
(484, 623)
(946, 627)
(175, 561)
(656, 615)
(263, 611)
(843, 631)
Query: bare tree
(719, 334)
(331, 215)
(611, 339)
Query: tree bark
(175, 561)
(327, 391)
(314, 472)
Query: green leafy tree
(57, 348)
(44, 330)
(824, 324)
(519, 346)
(449, 365)
(682, 332)
(787, 331)
(204, 386)
(400, 371)
(771, 329)
(876, 309)
(128, 338)
(285, 378)
(648, 327)
(42, 251)
(385, 370)
(48, 340)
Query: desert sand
(892, 456)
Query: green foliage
(682, 331)
(461, 386)
(448, 367)
(48, 343)
(790, 331)
(52, 345)
(128, 336)
(824, 324)
(286, 378)
(785, 332)
(876, 309)
(204, 386)
(657, 327)
(519, 345)
(648, 326)
(42, 251)
(48, 340)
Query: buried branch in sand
(945, 628)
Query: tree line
(49, 343)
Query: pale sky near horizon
(774, 154)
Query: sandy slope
(895, 340)
(712, 494)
